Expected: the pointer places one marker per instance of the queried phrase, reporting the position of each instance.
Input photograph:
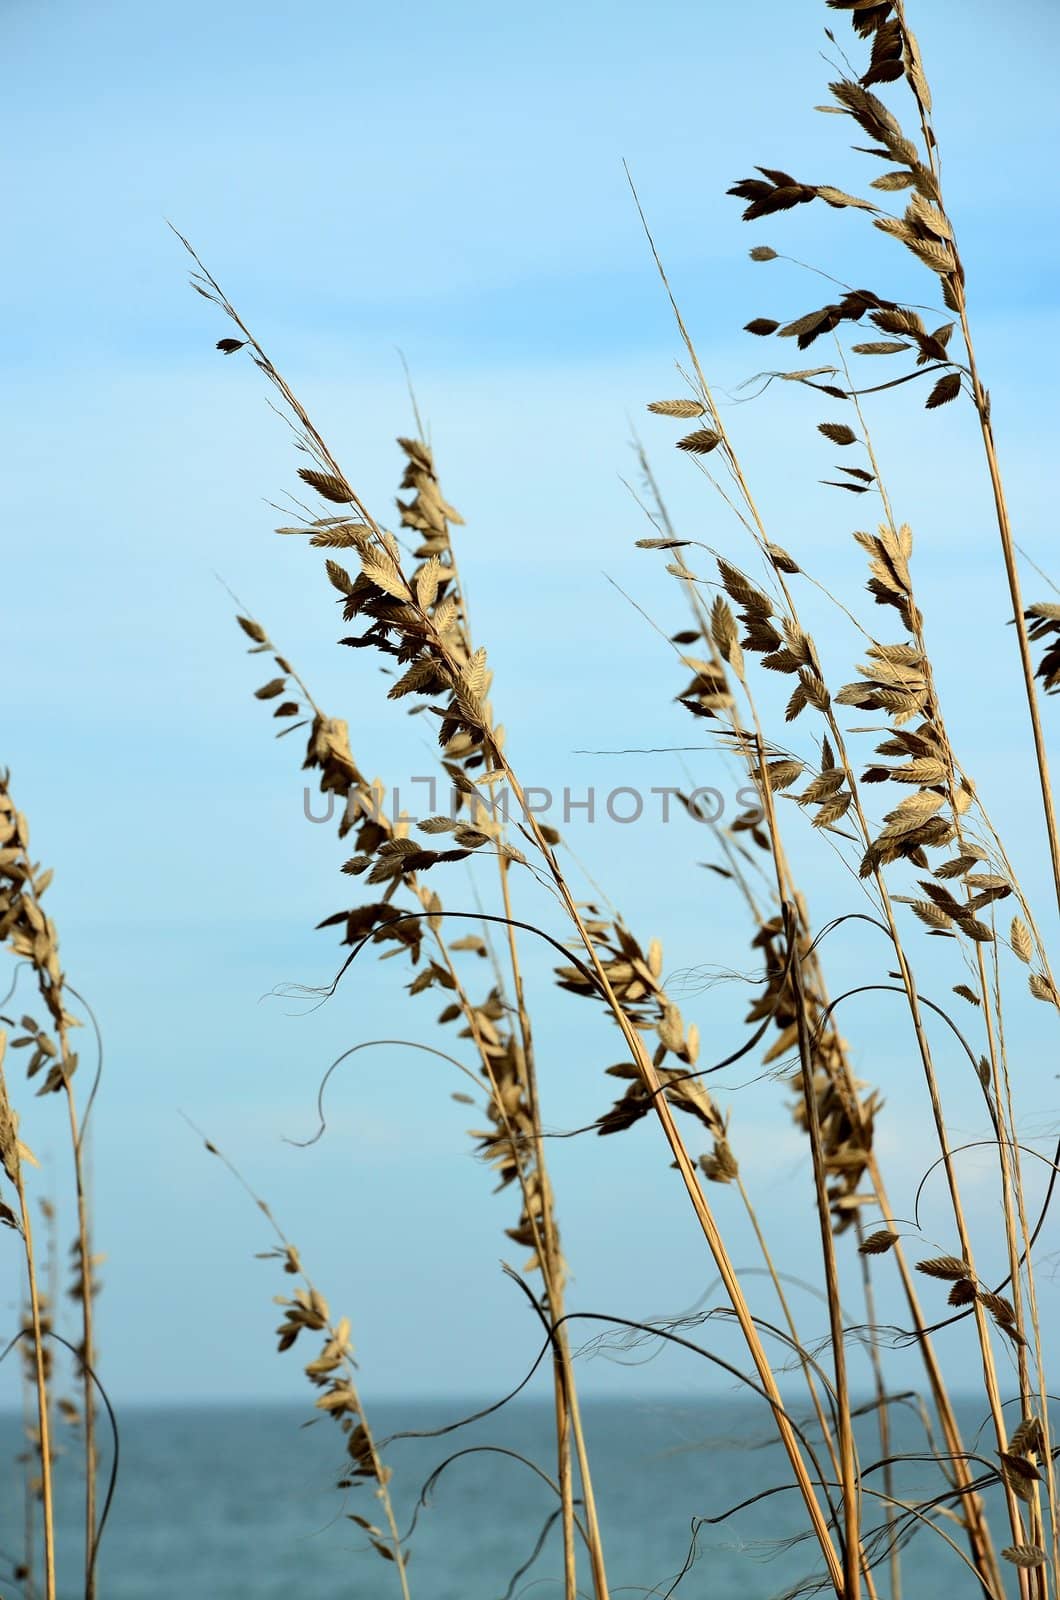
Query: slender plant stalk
(43, 1420)
(1043, 1447)
(883, 1416)
(333, 1371)
(1004, 522)
(852, 1553)
(990, 1001)
(695, 1193)
(927, 231)
(823, 1422)
(535, 1187)
(13, 1167)
(978, 1530)
(568, 1418)
(977, 1527)
(568, 1414)
(847, 1455)
(52, 992)
(755, 526)
(31, 934)
(87, 1353)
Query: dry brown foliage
(893, 802)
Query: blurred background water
(233, 1503)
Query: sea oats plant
(409, 618)
(893, 801)
(932, 865)
(30, 937)
(332, 1371)
(499, 1030)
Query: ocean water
(238, 1504)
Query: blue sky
(447, 181)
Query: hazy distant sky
(447, 180)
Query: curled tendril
(475, 1450)
(90, 1102)
(112, 1479)
(978, 1144)
(328, 991)
(370, 1044)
